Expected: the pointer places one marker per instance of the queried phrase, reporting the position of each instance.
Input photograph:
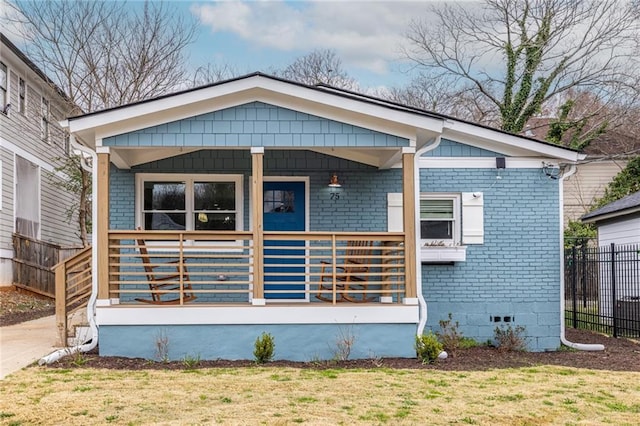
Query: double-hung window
(44, 122)
(4, 85)
(440, 219)
(22, 93)
(189, 202)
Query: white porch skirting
(317, 313)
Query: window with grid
(190, 202)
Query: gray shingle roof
(620, 206)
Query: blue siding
(256, 124)
(516, 272)
(295, 342)
(449, 148)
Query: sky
(262, 35)
(367, 36)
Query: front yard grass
(269, 395)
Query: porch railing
(73, 289)
(217, 267)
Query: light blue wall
(256, 124)
(295, 342)
(516, 272)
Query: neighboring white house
(618, 226)
(617, 222)
(30, 142)
(588, 184)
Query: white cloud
(365, 34)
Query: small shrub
(162, 346)
(468, 342)
(264, 348)
(344, 342)
(190, 362)
(428, 348)
(449, 335)
(510, 339)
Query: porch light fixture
(334, 182)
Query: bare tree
(519, 54)
(102, 54)
(319, 67)
(212, 73)
(437, 94)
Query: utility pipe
(91, 305)
(563, 339)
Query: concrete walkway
(27, 342)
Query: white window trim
(457, 217)
(39, 194)
(189, 179)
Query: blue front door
(284, 210)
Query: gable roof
(416, 125)
(622, 207)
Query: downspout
(91, 305)
(563, 339)
(422, 316)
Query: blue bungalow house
(261, 205)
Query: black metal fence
(602, 289)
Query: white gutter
(91, 305)
(563, 339)
(422, 316)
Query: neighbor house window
(190, 202)
(4, 84)
(440, 218)
(44, 126)
(27, 198)
(22, 92)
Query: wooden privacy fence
(33, 263)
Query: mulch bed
(619, 355)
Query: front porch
(212, 268)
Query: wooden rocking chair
(164, 282)
(353, 274)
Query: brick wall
(516, 272)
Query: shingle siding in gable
(449, 148)
(256, 124)
(516, 272)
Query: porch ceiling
(125, 158)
